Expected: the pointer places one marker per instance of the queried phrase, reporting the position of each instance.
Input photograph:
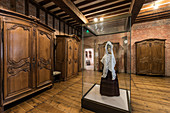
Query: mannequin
(109, 85)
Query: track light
(101, 19)
(95, 20)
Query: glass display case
(106, 63)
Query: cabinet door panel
(75, 62)
(158, 56)
(17, 59)
(143, 58)
(44, 50)
(60, 56)
(70, 57)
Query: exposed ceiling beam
(154, 17)
(96, 5)
(51, 7)
(112, 6)
(58, 11)
(84, 2)
(135, 9)
(108, 11)
(44, 2)
(71, 9)
(112, 14)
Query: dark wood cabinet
(101, 51)
(150, 57)
(26, 56)
(66, 55)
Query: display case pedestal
(94, 101)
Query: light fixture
(95, 20)
(101, 19)
(125, 41)
(155, 6)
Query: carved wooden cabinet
(150, 57)
(26, 56)
(101, 52)
(67, 55)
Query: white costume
(109, 62)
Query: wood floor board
(149, 95)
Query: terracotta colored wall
(32, 10)
(20, 6)
(50, 20)
(159, 29)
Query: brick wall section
(66, 29)
(57, 26)
(5, 4)
(159, 29)
(42, 16)
(32, 10)
(61, 28)
(20, 6)
(50, 20)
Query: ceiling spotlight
(95, 20)
(155, 6)
(101, 19)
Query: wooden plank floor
(149, 95)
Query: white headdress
(109, 61)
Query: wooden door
(17, 58)
(158, 57)
(70, 57)
(44, 57)
(75, 62)
(143, 57)
(60, 56)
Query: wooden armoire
(26, 56)
(150, 57)
(101, 52)
(67, 55)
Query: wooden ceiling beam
(135, 9)
(96, 5)
(71, 9)
(84, 2)
(112, 14)
(107, 7)
(58, 11)
(108, 11)
(154, 14)
(45, 10)
(51, 7)
(157, 17)
(44, 2)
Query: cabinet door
(158, 57)
(75, 62)
(44, 57)
(143, 58)
(17, 58)
(70, 57)
(60, 56)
